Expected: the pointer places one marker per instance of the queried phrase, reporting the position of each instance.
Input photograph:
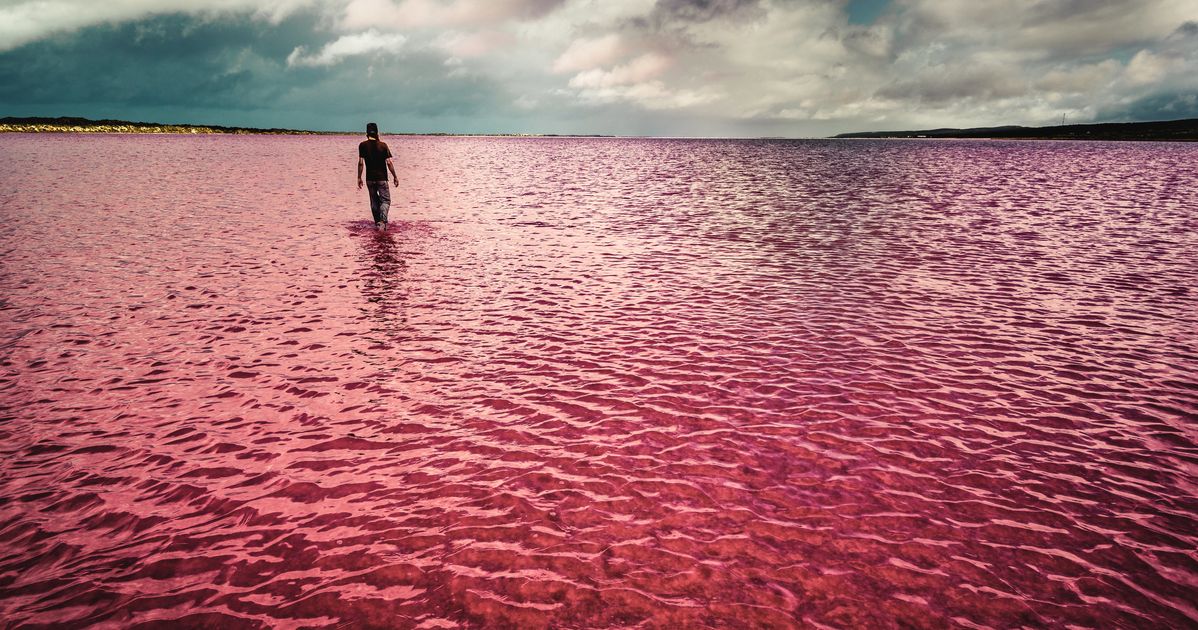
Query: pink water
(598, 383)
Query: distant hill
(1185, 130)
(69, 124)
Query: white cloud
(436, 14)
(638, 82)
(644, 68)
(588, 53)
(348, 46)
(475, 43)
(1146, 68)
(653, 95)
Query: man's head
(372, 131)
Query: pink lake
(598, 383)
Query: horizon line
(81, 123)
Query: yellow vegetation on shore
(186, 129)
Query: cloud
(179, 68)
(1164, 106)
(942, 84)
(651, 95)
(588, 53)
(1181, 44)
(348, 46)
(638, 81)
(1159, 81)
(665, 11)
(432, 13)
(475, 43)
(1079, 78)
(1146, 68)
(525, 101)
(769, 67)
(25, 21)
(160, 61)
(1044, 29)
(644, 68)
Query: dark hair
(372, 131)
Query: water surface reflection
(600, 383)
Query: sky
(751, 68)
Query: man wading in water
(375, 158)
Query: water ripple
(599, 383)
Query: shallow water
(598, 382)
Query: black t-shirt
(375, 152)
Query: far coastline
(1184, 130)
(68, 124)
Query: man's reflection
(385, 288)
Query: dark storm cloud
(1169, 106)
(181, 62)
(1152, 97)
(163, 60)
(1184, 39)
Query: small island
(1185, 130)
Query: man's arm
(391, 166)
(361, 165)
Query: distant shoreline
(1185, 130)
(66, 124)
